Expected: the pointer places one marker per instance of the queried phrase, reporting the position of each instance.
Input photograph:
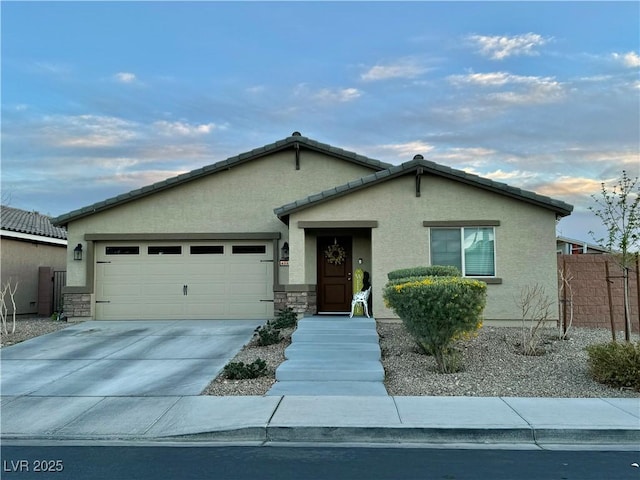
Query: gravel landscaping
(492, 364)
(28, 327)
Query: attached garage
(183, 280)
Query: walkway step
(329, 351)
(345, 336)
(357, 389)
(330, 370)
(333, 325)
(332, 355)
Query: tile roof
(561, 208)
(32, 223)
(289, 142)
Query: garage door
(184, 280)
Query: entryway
(335, 287)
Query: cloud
(525, 89)
(339, 95)
(137, 178)
(404, 68)
(570, 187)
(469, 156)
(405, 151)
(51, 68)
(184, 129)
(629, 59)
(501, 47)
(125, 77)
(327, 95)
(498, 79)
(87, 131)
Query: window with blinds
(471, 249)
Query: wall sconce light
(360, 261)
(77, 252)
(284, 251)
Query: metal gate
(59, 281)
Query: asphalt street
(182, 462)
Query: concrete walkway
(332, 355)
(533, 422)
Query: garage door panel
(123, 311)
(204, 290)
(208, 270)
(161, 289)
(250, 289)
(219, 285)
(255, 309)
(121, 290)
(206, 310)
(119, 270)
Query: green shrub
(615, 364)
(428, 271)
(285, 318)
(438, 310)
(243, 371)
(268, 335)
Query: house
(570, 246)
(291, 224)
(32, 250)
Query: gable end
(296, 143)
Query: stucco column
(297, 255)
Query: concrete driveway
(123, 358)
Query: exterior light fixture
(77, 252)
(284, 251)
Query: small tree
(566, 297)
(10, 291)
(619, 211)
(535, 310)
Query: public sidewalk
(374, 419)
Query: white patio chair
(363, 298)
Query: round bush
(437, 310)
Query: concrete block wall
(590, 298)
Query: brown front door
(334, 274)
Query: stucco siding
(238, 200)
(525, 238)
(20, 263)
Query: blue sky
(102, 98)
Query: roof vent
(418, 157)
(296, 134)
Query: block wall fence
(590, 297)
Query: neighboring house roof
(33, 226)
(419, 165)
(586, 247)
(295, 141)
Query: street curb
(378, 435)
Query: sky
(100, 98)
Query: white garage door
(184, 280)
